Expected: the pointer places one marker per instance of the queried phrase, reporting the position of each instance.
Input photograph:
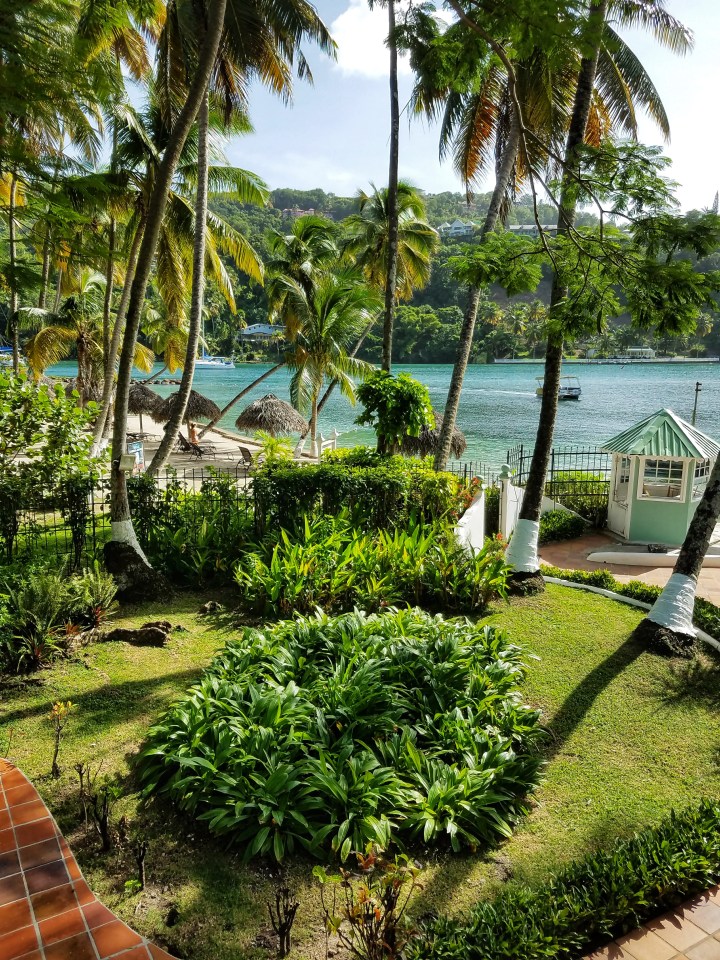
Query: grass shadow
(115, 702)
(573, 710)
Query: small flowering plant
(367, 907)
(59, 716)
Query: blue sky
(335, 135)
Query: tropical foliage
(329, 733)
(334, 565)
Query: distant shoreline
(616, 361)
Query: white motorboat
(569, 388)
(214, 363)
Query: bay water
(498, 407)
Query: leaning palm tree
(522, 550)
(328, 321)
(480, 124)
(669, 624)
(304, 253)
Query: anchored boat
(569, 388)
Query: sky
(335, 133)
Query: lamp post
(698, 388)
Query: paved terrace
(573, 554)
(47, 910)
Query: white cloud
(360, 34)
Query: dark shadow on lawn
(577, 705)
(115, 702)
(693, 681)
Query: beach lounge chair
(250, 462)
(197, 450)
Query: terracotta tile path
(692, 932)
(47, 910)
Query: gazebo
(660, 468)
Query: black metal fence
(577, 478)
(467, 469)
(70, 523)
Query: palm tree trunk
(106, 402)
(333, 383)
(14, 302)
(313, 428)
(84, 376)
(58, 290)
(467, 331)
(107, 304)
(522, 551)
(122, 528)
(244, 392)
(669, 624)
(45, 278)
(198, 290)
(391, 278)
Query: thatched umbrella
(199, 407)
(427, 443)
(142, 399)
(273, 415)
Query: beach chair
(249, 462)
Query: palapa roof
(142, 399)
(426, 443)
(664, 434)
(273, 415)
(199, 407)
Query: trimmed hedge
(591, 901)
(558, 525)
(706, 615)
(378, 492)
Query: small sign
(135, 447)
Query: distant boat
(206, 362)
(569, 388)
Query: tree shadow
(573, 710)
(113, 702)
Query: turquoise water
(498, 407)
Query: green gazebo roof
(663, 434)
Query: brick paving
(47, 910)
(692, 932)
(573, 555)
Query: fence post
(504, 478)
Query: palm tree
(303, 254)
(484, 116)
(253, 29)
(328, 321)
(368, 233)
(669, 624)
(78, 325)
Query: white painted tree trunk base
(124, 532)
(522, 551)
(673, 609)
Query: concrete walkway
(47, 910)
(692, 932)
(573, 555)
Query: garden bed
(632, 735)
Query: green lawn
(631, 735)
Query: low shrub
(583, 492)
(560, 525)
(589, 902)
(377, 491)
(338, 732)
(44, 612)
(335, 565)
(706, 615)
(492, 510)
(194, 538)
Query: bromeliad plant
(332, 733)
(337, 566)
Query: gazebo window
(662, 479)
(700, 478)
(622, 480)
